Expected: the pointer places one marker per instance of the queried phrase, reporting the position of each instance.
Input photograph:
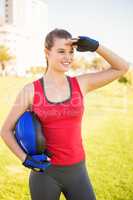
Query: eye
(61, 51)
(71, 52)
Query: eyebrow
(64, 49)
(60, 49)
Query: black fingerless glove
(86, 44)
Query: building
(23, 26)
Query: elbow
(125, 68)
(1, 133)
(4, 134)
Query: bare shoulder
(24, 98)
(22, 103)
(28, 92)
(28, 88)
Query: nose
(68, 57)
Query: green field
(107, 136)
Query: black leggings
(72, 181)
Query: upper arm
(22, 103)
(91, 81)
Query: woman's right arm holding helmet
(21, 104)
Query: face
(60, 56)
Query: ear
(46, 51)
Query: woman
(58, 102)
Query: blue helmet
(29, 134)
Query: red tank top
(61, 122)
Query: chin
(65, 69)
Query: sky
(108, 21)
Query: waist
(70, 166)
(65, 157)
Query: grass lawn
(107, 136)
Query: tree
(98, 63)
(80, 63)
(34, 70)
(5, 57)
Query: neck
(55, 76)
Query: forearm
(10, 141)
(113, 59)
